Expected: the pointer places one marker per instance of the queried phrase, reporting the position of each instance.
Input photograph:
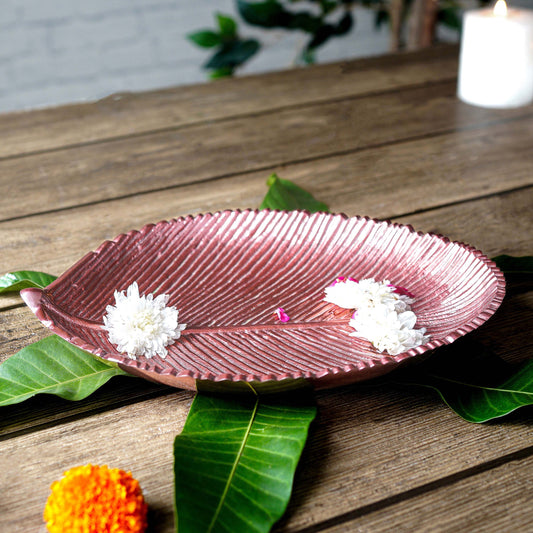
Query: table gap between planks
(382, 137)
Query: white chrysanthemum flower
(383, 313)
(142, 325)
(388, 330)
(351, 294)
(344, 293)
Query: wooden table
(383, 137)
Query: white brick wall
(59, 51)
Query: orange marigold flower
(96, 499)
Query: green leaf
(514, 265)
(235, 460)
(22, 279)
(323, 34)
(272, 14)
(267, 14)
(301, 21)
(228, 27)
(286, 196)
(205, 38)
(53, 366)
(233, 54)
(328, 6)
(222, 72)
(475, 383)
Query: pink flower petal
(342, 279)
(282, 315)
(402, 291)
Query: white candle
(496, 60)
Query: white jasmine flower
(142, 325)
(383, 313)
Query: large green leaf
(475, 383)
(286, 196)
(22, 279)
(53, 366)
(235, 459)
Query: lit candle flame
(500, 8)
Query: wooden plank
(129, 166)
(18, 330)
(388, 181)
(370, 452)
(44, 243)
(126, 113)
(44, 411)
(369, 443)
(493, 501)
(57, 240)
(496, 225)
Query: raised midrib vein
(254, 327)
(235, 463)
(92, 324)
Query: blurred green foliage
(318, 20)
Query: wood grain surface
(127, 114)
(383, 137)
(455, 507)
(204, 153)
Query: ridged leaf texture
(23, 279)
(235, 460)
(474, 382)
(228, 272)
(52, 366)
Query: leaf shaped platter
(228, 272)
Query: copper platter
(228, 272)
